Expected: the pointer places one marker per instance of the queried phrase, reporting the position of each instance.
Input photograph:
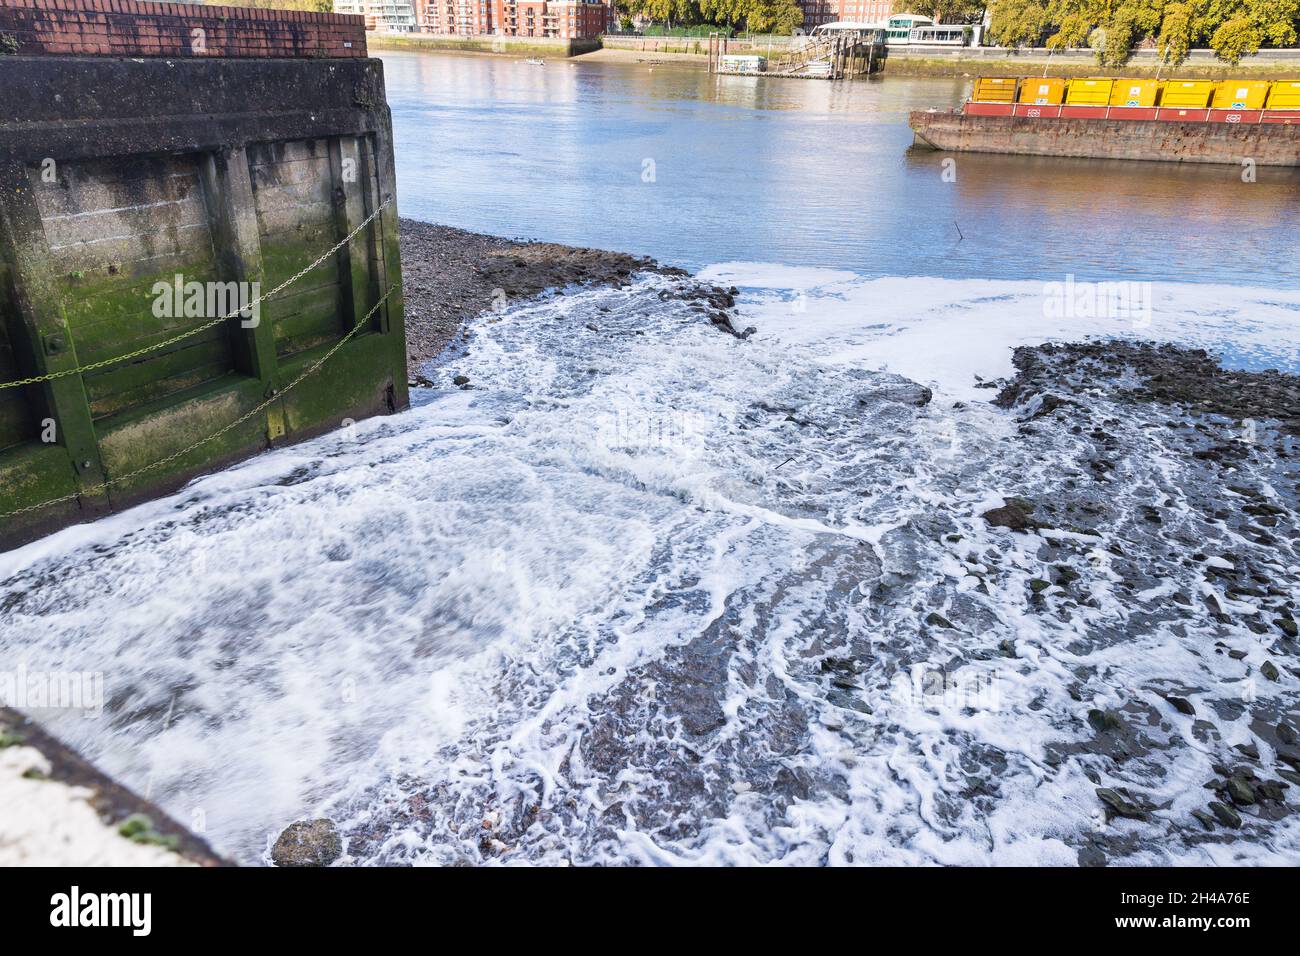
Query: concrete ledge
(495, 45)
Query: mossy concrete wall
(117, 174)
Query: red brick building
(817, 12)
(563, 19)
(865, 11)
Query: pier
(844, 54)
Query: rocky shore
(451, 275)
(1203, 548)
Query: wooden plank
(164, 373)
(309, 319)
(124, 302)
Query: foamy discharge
(480, 608)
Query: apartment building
(562, 19)
(383, 16)
(817, 12)
(864, 11)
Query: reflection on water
(668, 161)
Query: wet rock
(1269, 670)
(307, 843)
(1016, 514)
(1091, 856)
(935, 619)
(1240, 792)
(907, 393)
(1225, 814)
(451, 275)
(460, 380)
(1120, 805)
(1104, 720)
(1182, 705)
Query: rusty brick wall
(137, 28)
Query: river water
(648, 593)
(803, 174)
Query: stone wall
(499, 45)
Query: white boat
(534, 61)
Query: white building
(383, 16)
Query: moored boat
(1195, 121)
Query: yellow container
(1128, 92)
(994, 89)
(1042, 90)
(1187, 94)
(1240, 95)
(1089, 91)
(1284, 96)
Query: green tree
(1017, 22)
(1236, 38)
(1073, 32)
(952, 11)
(1121, 34)
(1176, 33)
(773, 16)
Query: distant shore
(959, 62)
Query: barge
(1188, 121)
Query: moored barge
(1190, 121)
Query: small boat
(534, 61)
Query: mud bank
(451, 275)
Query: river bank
(450, 276)
(1046, 620)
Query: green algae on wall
(138, 389)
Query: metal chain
(310, 370)
(206, 325)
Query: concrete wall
(758, 45)
(499, 45)
(116, 174)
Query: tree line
(1232, 28)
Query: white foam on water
(947, 332)
(466, 609)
